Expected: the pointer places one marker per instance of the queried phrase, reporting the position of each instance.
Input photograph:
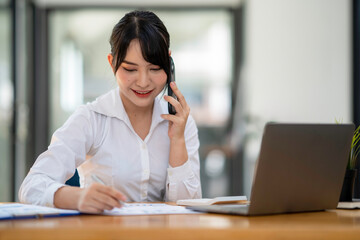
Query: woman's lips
(142, 94)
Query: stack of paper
(349, 205)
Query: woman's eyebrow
(131, 63)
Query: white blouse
(99, 139)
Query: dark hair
(149, 30)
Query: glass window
(201, 48)
(6, 101)
(297, 69)
(78, 59)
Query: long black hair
(149, 30)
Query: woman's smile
(142, 93)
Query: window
(6, 102)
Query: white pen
(98, 180)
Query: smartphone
(170, 79)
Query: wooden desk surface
(334, 224)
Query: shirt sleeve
(67, 150)
(183, 182)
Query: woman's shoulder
(108, 105)
(98, 108)
(105, 103)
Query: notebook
(300, 168)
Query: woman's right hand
(94, 199)
(98, 197)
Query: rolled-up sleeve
(183, 182)
(66, 152)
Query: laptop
(300, 168)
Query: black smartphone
(170, 79)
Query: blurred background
(239, 63)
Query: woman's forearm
(178, 152)
(67, 197)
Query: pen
(98, 180)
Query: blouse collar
(111, 105)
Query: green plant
(355, 149)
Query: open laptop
(300, 168)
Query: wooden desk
(334, 224)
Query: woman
(125, 137)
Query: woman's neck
(133, 110)
(140, 117)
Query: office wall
(297, 67)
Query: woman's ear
(169, 52)
(110, 60)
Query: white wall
(297, 65)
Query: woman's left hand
(178, 121)
(178, 152)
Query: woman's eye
(155, 69)
(129, 70)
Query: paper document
(148, 209)
(19, 211)
(349, 205)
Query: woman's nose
(143, 80)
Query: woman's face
(139, 81)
